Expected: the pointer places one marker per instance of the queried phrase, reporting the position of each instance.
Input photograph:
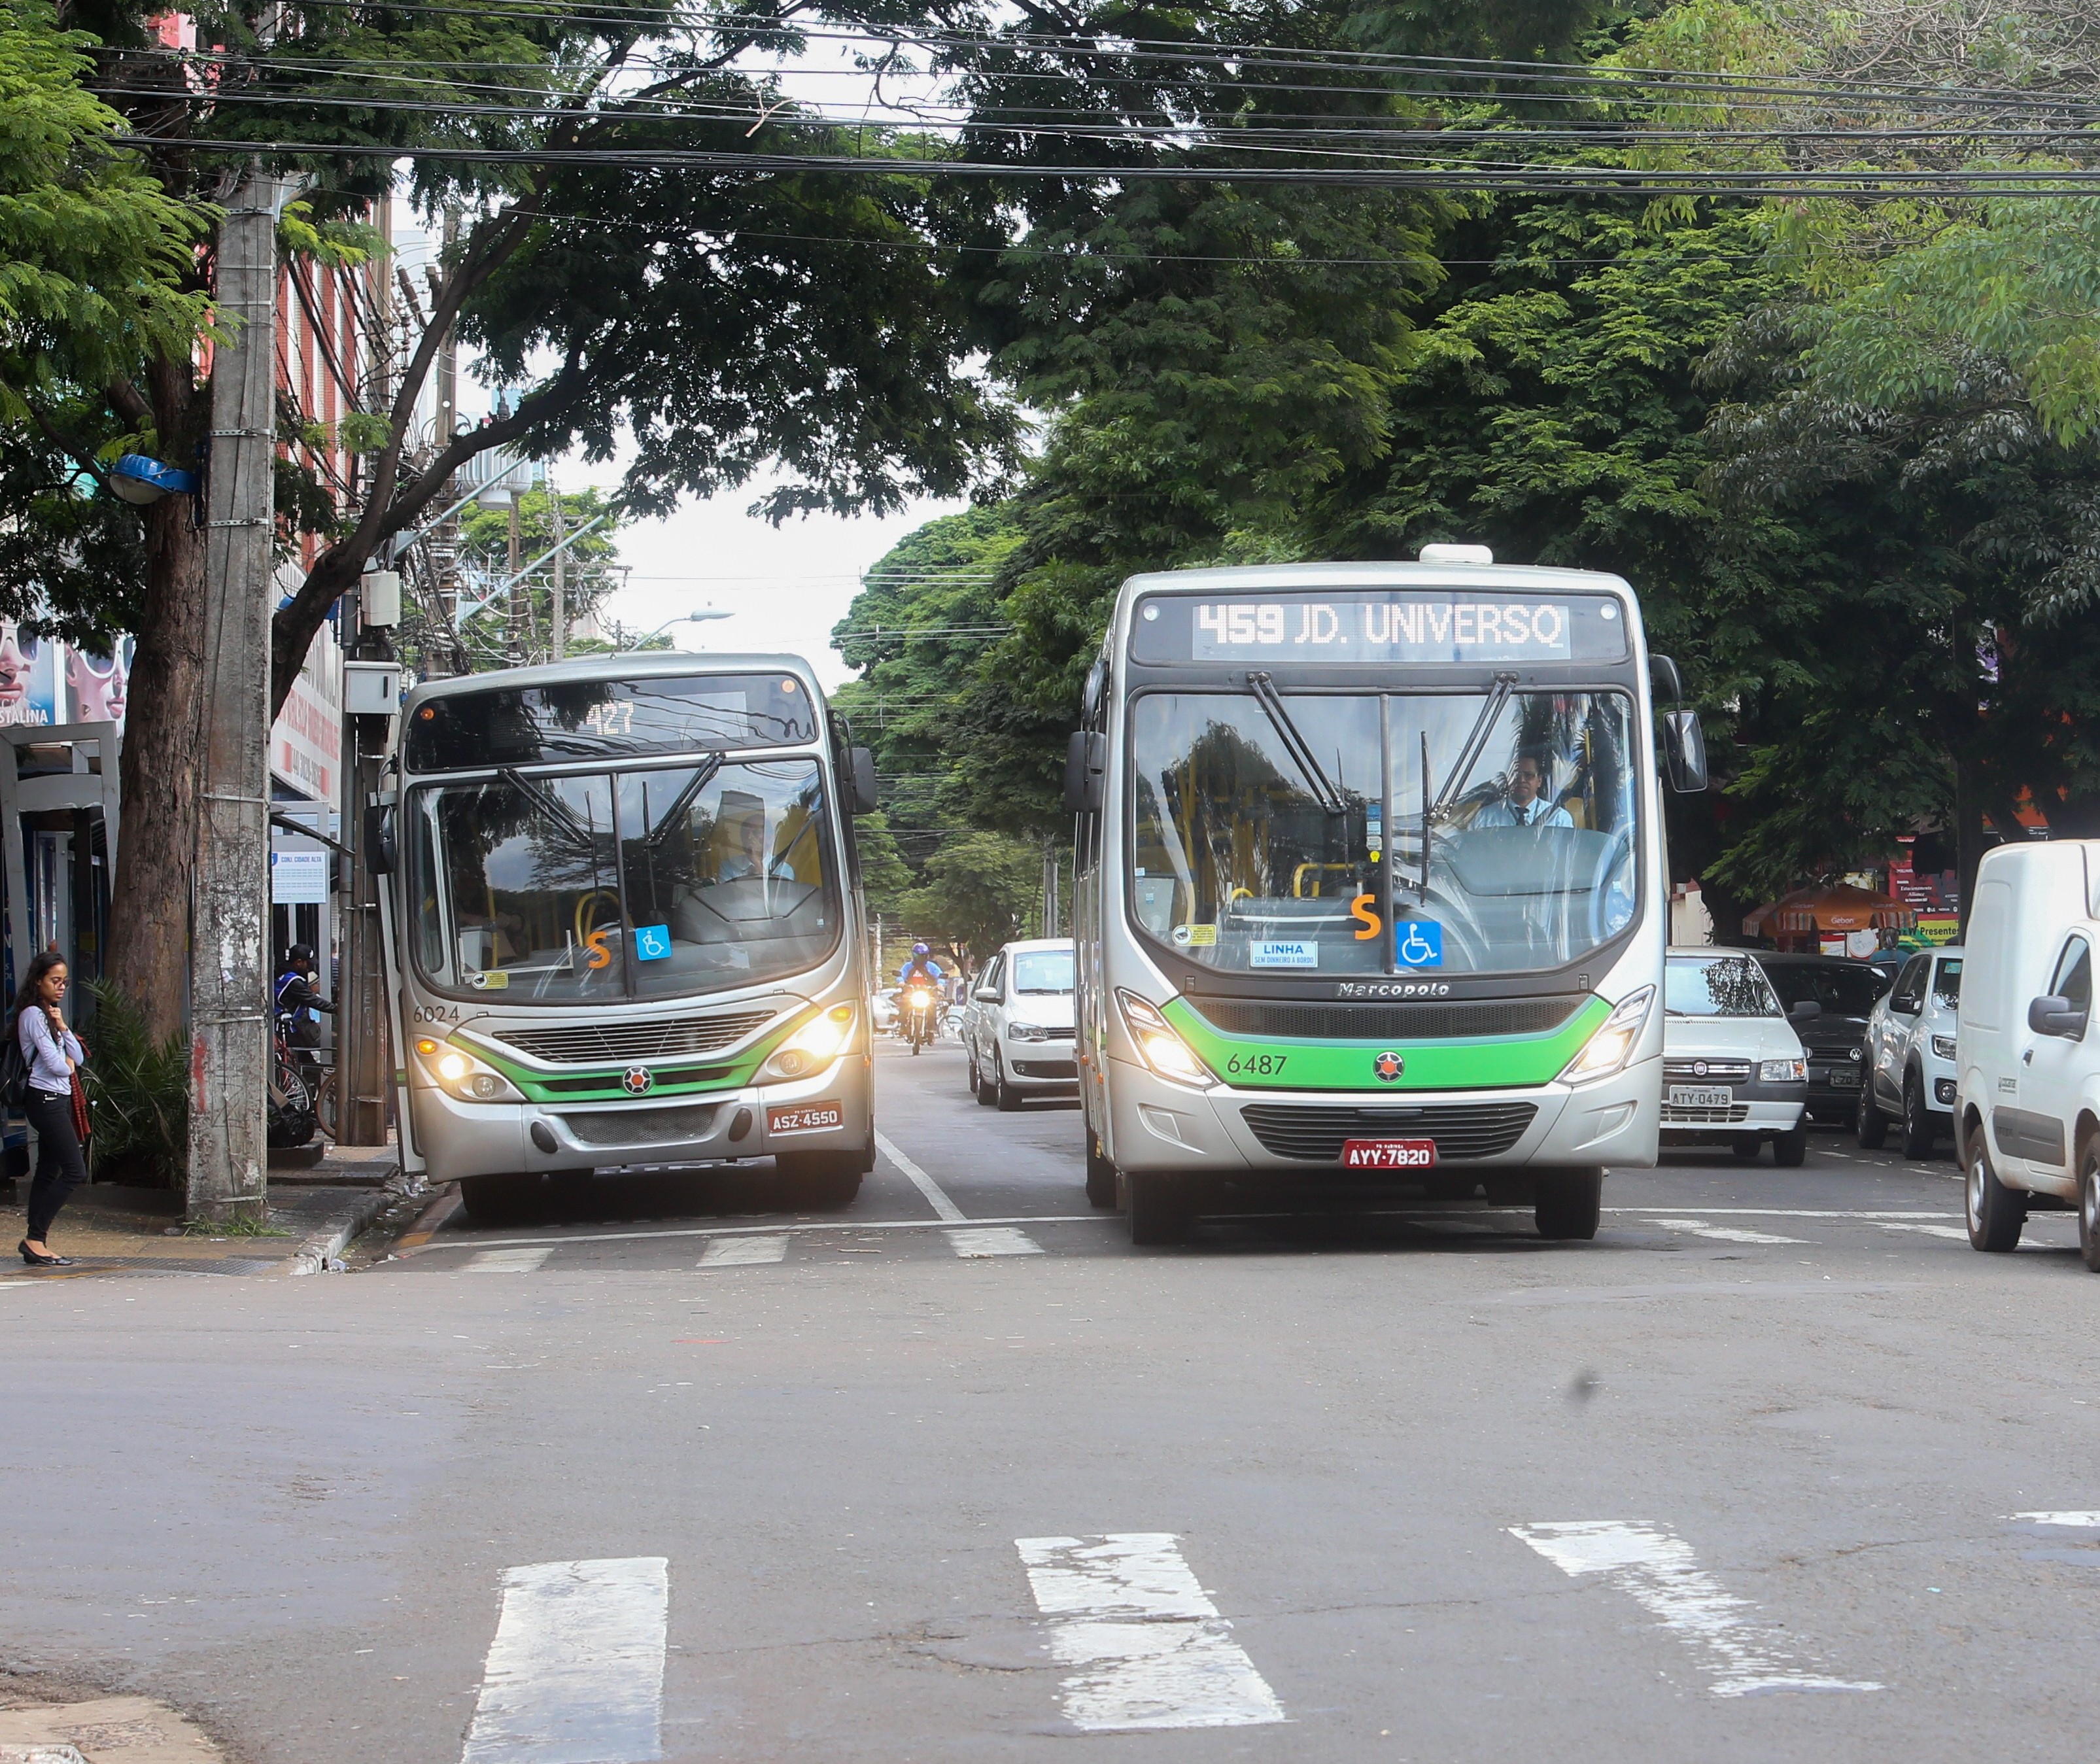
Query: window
(2073, 976)
(1910, 987)
(1042, 971)
(1843, 989)
(1727, 985)
(1947, 981)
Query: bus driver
(1527, 803)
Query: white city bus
(1371, 881)
(623, 923)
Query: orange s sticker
(602, 957)
(1359, 909)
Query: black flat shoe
(35, 1260)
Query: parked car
(2026, 1097)
(1910, 1054)
(883, 1008)
(1733, 1071)
(1017, 1028)
(1844, 993)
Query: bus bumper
(1156, 1125)
(461, 1139)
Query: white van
(2027, 1103)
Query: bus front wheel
(1157, 1203)
(496, 1200)
(821, 1180)
(1569, 1203)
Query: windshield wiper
(549, 804)
(1265, 695)
(703, 776)
(1505, 685)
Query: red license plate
(1388, 1154)
(805, 1117)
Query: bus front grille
(592, 1043)
(640, 1126)
(1460, 1130)
(1386, 1022)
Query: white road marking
(924, 1184)
(1150, 1648)
(507, 1261)
(2076, 1521)
(753, 1231)
(994, 1240)
(1657, 1569)
(575, 1672)
(744, 1252)
(1722, 1233)
(1790, 1212)
(1954, 1231)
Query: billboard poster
(97, 686)
(29, 676)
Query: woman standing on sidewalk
(57, 1107)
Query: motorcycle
(917, 1020)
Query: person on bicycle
(296, 992)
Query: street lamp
(698, 616)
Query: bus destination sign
(1403, 628)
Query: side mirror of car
(986, 995)
(2055, 1015)
(1684, 752)
(1803, 1010)
(1086, 771)
(380, 853)
(1906, 1004)
(865, 799)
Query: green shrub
(137, 1095)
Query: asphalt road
(1744, 1478)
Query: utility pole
(1050, 907)
(559, 635)
(521, 632)
(230, 901)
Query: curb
(324, 1245)
(426, 1223)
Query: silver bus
(621, 908)
(1371, 884)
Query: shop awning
(1828, 906)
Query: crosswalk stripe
(575, 1672)
(2078, 1521)
(1698, 1228)
(1148, 1648)
(744, 1252)
(506, 1261)
(1930, 1231)
(994, 1240)
(1656, 1568)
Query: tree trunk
(156, 841)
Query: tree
(976, 891)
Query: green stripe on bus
(1483, 1063)
(734, 1074)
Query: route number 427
(1241, 624)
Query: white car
(1910, 1053)
(1017, 1031)
(2027, 1100)
(1733, 1071)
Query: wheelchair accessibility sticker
(652, 943)
(1418, 943)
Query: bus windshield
(608, 885)
(1259, 828)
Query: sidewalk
(107, 1228)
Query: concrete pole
(521, 629)
(230, 1051)
(558, 645)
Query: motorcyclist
(921, 970)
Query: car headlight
(816, 1044)
(1783, 1072)
(459, 1074)
(1604, 1052)
(1166, 1053)
(1943, 1047)
(1026, 1032)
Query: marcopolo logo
(1388, 1066)
(638, 1081)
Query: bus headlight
(1166, 1053)
(1606, 1051)
(458, 1073)
(816, 1044)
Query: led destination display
(1402, 628)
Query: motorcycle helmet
(919, 949)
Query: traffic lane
(992, 1162)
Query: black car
(1834, 1034)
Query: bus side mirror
(1085, 768)
(865, 801)
(380, 853)
(1684, 750)
(1663, 680)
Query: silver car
(1017, 1029)
(1910, 1054)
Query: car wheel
(987, 1092)
(1995, 1213)
(2088, 1207)
(1917, 1134)
(1007, 1098)
(1790, 1149)
(1747, 1148)
(1868, 1122)
(1568, 1203)
(1157, 1203)
(1101, 1173)
(971, 1054)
